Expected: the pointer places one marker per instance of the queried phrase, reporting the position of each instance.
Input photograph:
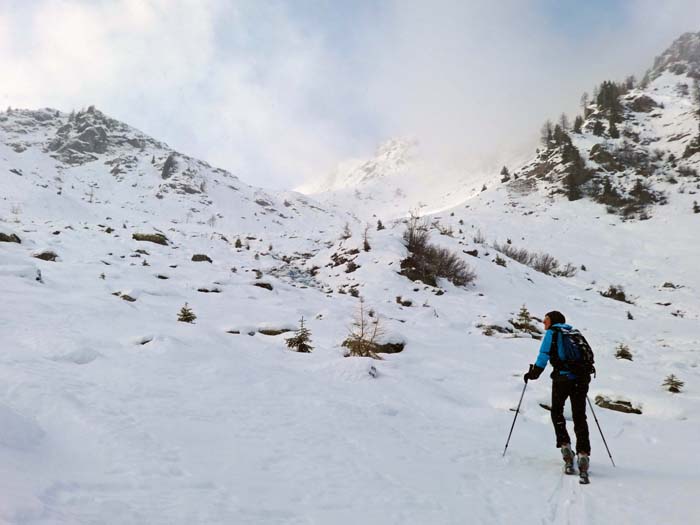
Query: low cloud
(278, 93)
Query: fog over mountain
(281, 93)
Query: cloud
(200, 75)
(279, 92)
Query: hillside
(112, 411)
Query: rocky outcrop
(683, 56)
(617, 405)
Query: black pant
(576, 390)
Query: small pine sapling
(380, 226)
(299, 342)
(186, 315)
(673, 384)
(622, 351)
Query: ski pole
(599, 430)
(517, 410)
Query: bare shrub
(444, 230)
(364, 333)
(616, 292)
(544, 263)
(541, 262)
(416, 234)
(568, 271)
(428, 262)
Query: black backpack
(578, 354)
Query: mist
(279, 93)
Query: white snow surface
(112, 411)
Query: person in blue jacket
(565, 384)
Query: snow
(114, 412)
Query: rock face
(643, 104)
(88, 134)
(682, 57)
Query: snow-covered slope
(112, 411)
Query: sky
(279, 92)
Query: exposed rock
(603, 157)
(200, 257)
(273, 331)
(169, 166)
(267, 286)
(124, 296)
(389, 348)
(643, 104)
(9, 238)
(157, 238)
(617, 405)
(681, 57)
(46, 255)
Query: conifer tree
(546, 133)
(505, 174)
(380, 226)
(186, 315)
(299, 342)
(623, 352)
(578, 123)
(598, 128)
(613, 131)
(585, 100)
(564, 122)
(673, 384)
(524, 317)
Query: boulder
(157, 238)
(9, 238)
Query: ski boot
(583, 462)
(568, 455)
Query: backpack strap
(554, 350)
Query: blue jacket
(543, 356)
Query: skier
(565, 384)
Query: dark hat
(556, 317)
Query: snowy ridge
(112, 411)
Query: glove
(534, 372)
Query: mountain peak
(682, 56)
